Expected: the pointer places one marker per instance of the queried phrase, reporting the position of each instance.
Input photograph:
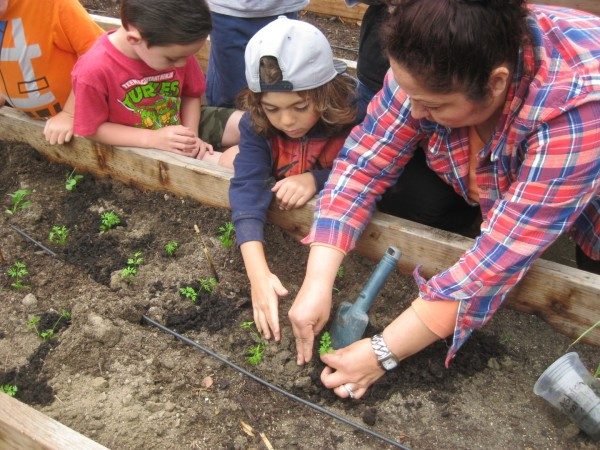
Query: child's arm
(59, 129)
(174, 138)
(265, 289)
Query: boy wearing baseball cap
(299, 111)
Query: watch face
(389, 364)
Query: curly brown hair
(334, 101)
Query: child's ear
(133, 35)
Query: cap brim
(339, 66)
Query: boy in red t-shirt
(40, 43)
(141, 85)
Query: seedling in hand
(208, 284)
(189, 293)
(9, 389)
(171, 247)
(72, 180)
(18, 201)
(109, 220)
(226, 233)
(17, 272)
(58, 234)
(325, 344)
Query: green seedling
(597, 374)
(133, 264)
(325, 344)
(581, 336)
(46, 335)
(189, 293)
(340, 274)
(171, 247)
(255, 353)
(18, 201)
(17, 272)
(109, 220)
(226, 233)
(128, 272)
(208, 284)
(58, 234)
(9, 389)
(72, 180)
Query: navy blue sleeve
(250, 188)
(321, 176)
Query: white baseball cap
(302, 52)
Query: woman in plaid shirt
(506, 99)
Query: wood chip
(247, 428)
(266, 441)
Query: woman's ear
(499, 80)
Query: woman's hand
(354, 366)
(59, 129)
(312, 305)
(294, 191)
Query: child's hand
(265, 292)
(204, 147)
(177, 139)
(59, 129)
(293, 192)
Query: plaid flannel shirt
(538, 175)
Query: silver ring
(348, 390)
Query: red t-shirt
(111, 87)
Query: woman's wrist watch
(387, 360)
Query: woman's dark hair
(167, 22)
(453, 45)
(334, 101)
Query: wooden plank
(110, 23)
(565, 297)
(22, 427)
(337, 8)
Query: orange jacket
(41, 40)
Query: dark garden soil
(130, 386)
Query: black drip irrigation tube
(29, 238)
(274, 387)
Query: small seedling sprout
(208, 284)
(189, 293)
(72, 180)
(58, 234)
(133, 264)
(109, 220)
(255, 353)
(46, 335)
(17, 272)
(226, 233)
(18, 201)
(341, 272)
(9, 389)
(325, 344)
(171, 247)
